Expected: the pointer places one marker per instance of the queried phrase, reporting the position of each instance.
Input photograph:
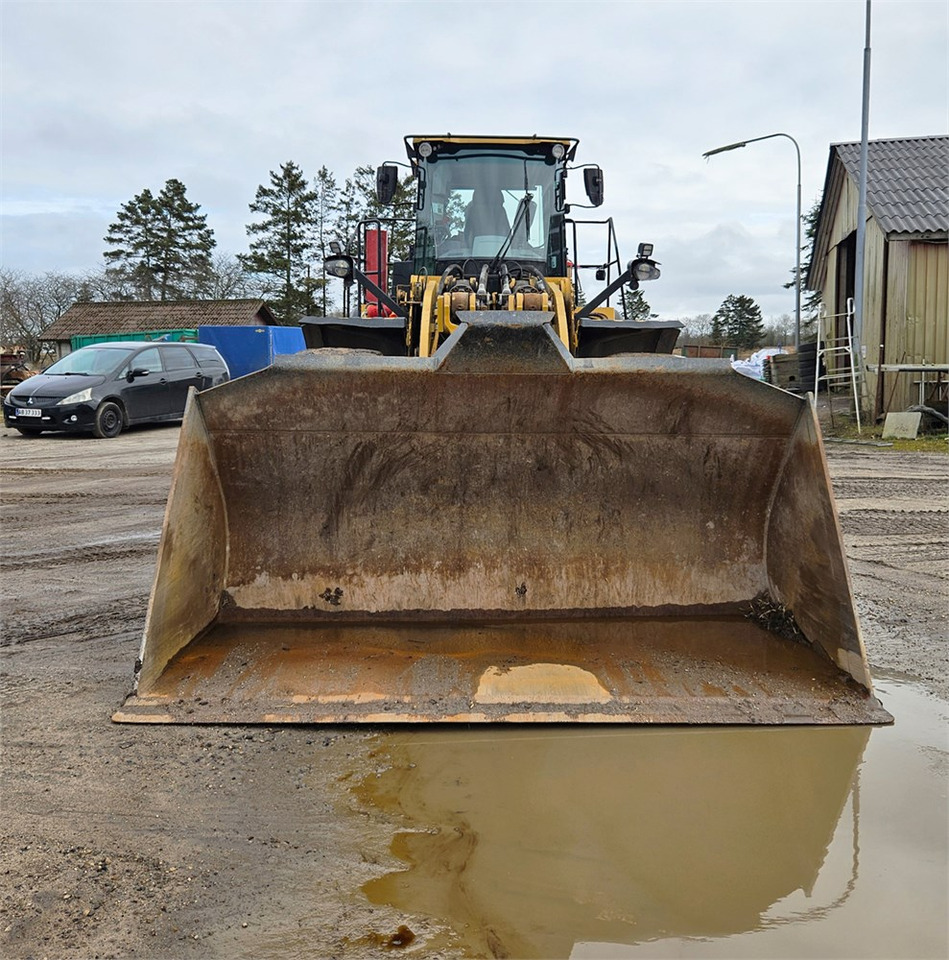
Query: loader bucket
(500, 533)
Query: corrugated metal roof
(136, 316)
(907, 181)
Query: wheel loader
(479, 496)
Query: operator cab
(490, 202)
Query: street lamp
(797, 244)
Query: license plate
(29, 412)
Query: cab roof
(451, 143)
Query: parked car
(106, 387)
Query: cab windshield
(479, 205)
(89, 362)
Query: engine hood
(54, 387)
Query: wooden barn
(149, 320)
(906, 265)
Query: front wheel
(109, 421)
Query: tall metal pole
(862, 203)
(797, 221)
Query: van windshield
(90, 361)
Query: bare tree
(228, 280)
(697, 329)
(778, 331)
(29, 304)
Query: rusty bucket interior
(500, 533)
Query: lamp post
(797, 243)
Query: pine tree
(160, 246)
(636, 306)
(350, 209)
(357, 202)
(810, 299)
(326, 210)
(738, 323)
(133, 238)
(185, 243)
(286, 243)
(402, 208)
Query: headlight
(340, 266)
(644, 270)
(82, 397)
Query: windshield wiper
(523, 207)
(520, 215)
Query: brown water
(671, 842)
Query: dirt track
(187, 842)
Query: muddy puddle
(669, 842)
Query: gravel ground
(211, 842)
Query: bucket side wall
(807, 566)
(189, 575)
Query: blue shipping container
(247, 349)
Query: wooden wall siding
(917, 315)
(874, 297)
(927, 302)
(874, 300)
(896, 386)
(845, 216)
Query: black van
(109, 386)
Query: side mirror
(593, 182)
(387, 182)
(137, 372)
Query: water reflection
(528, 841)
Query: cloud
(120, 96)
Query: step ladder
(835, 356)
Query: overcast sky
(103, 99)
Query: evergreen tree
(326, 210)
(718, 333)
(738, 323)
(810, 299)
(636, 306)
(402, 208)
(160, 247)
(134, 240)
(357, 202)
(350, 209)
(285, 243)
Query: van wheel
(29, 431)
(109, 421)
